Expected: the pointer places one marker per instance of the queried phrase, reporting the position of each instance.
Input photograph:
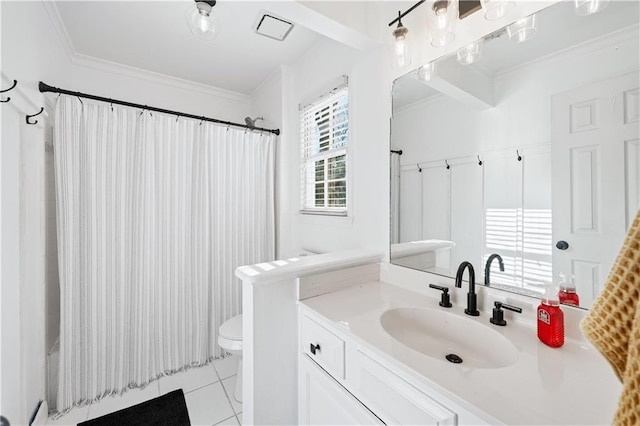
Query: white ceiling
(559, 28)
(154, 36)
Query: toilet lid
(232, 328)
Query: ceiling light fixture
(589, 7)
(470, 53)
(202, 22)
(441, 22)
(401, 57)
(497, 9)
(523, 29)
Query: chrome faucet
(487, 267)
(472, 308)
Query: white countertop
(570, 385)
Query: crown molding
(608, 40)
(130, 71)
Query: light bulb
(589, 7)
(401, 57)
(441, 21)
(523, 29)
(202, 21)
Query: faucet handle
(498, 313)
(445, 300)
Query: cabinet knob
(313, 348)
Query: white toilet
(230, 339)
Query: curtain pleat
(154, 216)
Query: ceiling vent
(273, 27)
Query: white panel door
(322, 401)
(595, 172)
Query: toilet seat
(230, 334)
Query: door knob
(562, 245)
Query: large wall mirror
(528, 157)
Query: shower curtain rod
(43, 87)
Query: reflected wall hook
(447, 164)
(519, 156)
(479, 161)
(34, 115)
(15, 83)
(419, 168)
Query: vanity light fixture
(470, 53)
(497, 9)
(426, 71)
(401, 57)
(523, 29)
(589, 7)
(441, 22)
(202, 22)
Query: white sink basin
(437, 333)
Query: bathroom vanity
(343, 338)
(375, 352)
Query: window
(324, 134)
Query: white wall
(33, 51)
(313, 75)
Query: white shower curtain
(154, 215)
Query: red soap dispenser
(567, 294)
(550, 319)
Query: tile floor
(208, 391)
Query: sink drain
(454, 359)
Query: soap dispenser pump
(550, 319)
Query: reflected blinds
(324, 132)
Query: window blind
(324, 127)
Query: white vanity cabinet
(341, 382)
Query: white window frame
(310, 154)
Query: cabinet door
(393, 399)
(322, 401)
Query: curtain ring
(419, 169)
(479, 161)
(518, 155)
(447, 164)
(228, 125)
(177, 116)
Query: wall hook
(15, 83)
(419, 168)
(479, 160)
(447, 164)
(34, 115)
(518, 154)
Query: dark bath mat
(167, 410)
